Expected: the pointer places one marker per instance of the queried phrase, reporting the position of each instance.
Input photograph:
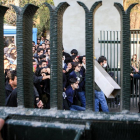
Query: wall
(106, 18)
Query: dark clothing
(8, 89)
(64, 81)
(81, 84)
(11, 100)
(37, 79)
(71, 96)
(66, 55)
(11, 95)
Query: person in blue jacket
(137, 74)
(70, 97)
(79, 75)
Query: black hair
(42, 56)
(47, 49)
(34, 60)
(75, 64)
(68, 60)
(42, 61)
(74, 51)
(40, 45)
(12, 75)
(73, 57)
(33, 42)
(80, 59)
(73, 80)
(38, 50)
(43, 43)
(41, 49)
(101, 59)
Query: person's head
(13, 78)
(33, 49)
(42, 38)
(13, 50)
(48, 51)
(47, 45)
(102, 61)
(74, 58)
(46, 41)
(43, 63)
(34, 62)
(134, 57)
(41, 52)
(6, 64)
(74, 83)
(43, 46)
(33, 43)
(84, 59)
(38, 41)
(74, 52)
(40, 46)
(77, 66)
(42, 57)
(69, 65)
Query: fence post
(125, 56)
(56, 24)
(90, 53)
(3, 10)
(24, 54)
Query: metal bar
(117, 57)
(100, 43)
(114, 54)
(111, 50)
(133, 92)
(79, 133)
(104, 43)
(107, 49)
(136, 85)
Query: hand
(48, 70)
(48, 76)
(44, 70)
(64, 71)
(67, 69)
(43, 74)
(1, 125)
(131, 74)
(40, 104)
(136, 69)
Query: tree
(41, 19)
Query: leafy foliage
(41, 19)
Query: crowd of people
(73, 71)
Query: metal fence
(110, 48)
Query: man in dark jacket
(11, 92)
(99, 95)
(70, 96)
(79, 75)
